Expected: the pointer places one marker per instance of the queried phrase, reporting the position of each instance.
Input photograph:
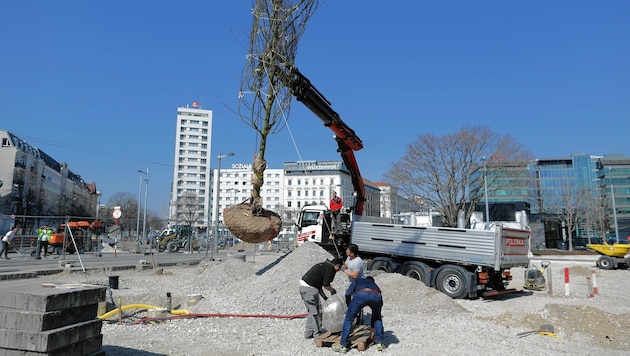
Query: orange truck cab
(82, 232)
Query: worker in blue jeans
(365, 293)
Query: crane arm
(346, 138)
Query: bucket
(113, 282)
(193, 299)
(158, 312)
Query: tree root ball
(252, 224)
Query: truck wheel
(416, 272)
(606, 262)
(381, 265)
(172, 246)
(451, 282)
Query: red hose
(200, 315)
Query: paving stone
(27, 320)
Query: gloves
(333, 292)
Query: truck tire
(415, 272)
(172, 246)
(606, 262)
(381, 265)
(452, 282)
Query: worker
(46, 237)
(353, 267)
(6, 241)
(365, 293)
(43, 235)
(336, 203)
(40, 233)
(312, 285)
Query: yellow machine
(612, 255)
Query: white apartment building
(32, 184)
(235, 186)
(286, 191)
(312, 182)
(190, 194)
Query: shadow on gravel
(125, 351)
(390, 338)
(517, 294)
(271, 265)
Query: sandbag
(333, 313)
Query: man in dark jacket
(312, 286)
(365, 293)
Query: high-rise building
(592, 191)
(190, 194)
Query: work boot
(340, 349)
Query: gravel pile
(417, 319)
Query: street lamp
(139, 197)
(614, 206)
(485, 189)
(216, 208)
(146, 194)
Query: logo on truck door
(510, 241)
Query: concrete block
(35, 296)
(65, 264)
(51, 340)
(89, 347)
(27, 320)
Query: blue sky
(97, 84)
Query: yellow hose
(140, 306)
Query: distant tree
(188, 208)
(438, 171)
(128, 204)
(570, 207)
(594, 216)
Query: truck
(459, 262)
(84, 233)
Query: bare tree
(569, 206)
(189, 208)
(264, 101)
(594, 216)
(128, 204)
(439, 170)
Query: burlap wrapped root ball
(252, 224)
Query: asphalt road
(25, 266)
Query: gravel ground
(417, 319)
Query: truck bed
(499, 248)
